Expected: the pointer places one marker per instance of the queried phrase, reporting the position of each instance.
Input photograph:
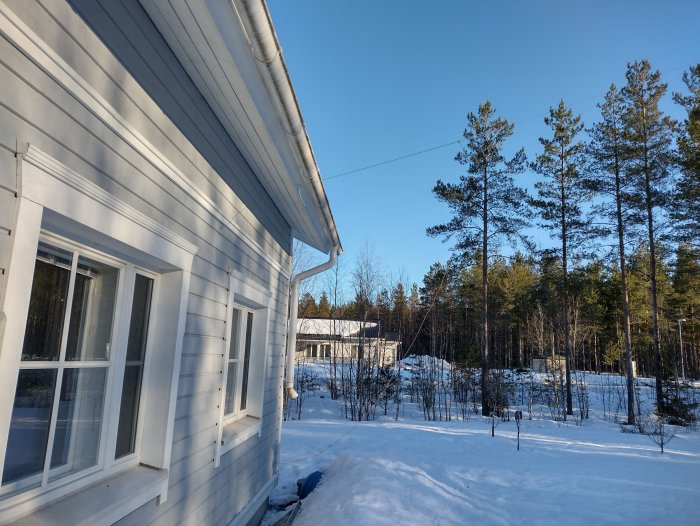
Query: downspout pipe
(293, 315)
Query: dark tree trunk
(625, 297)
(485, 405)
(652, 271)
(654, 295)
(567, 343)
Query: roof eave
(230, 50)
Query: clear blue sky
(378, 80)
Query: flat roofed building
(320, 339)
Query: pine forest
(617, 289)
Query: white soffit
(207, 38)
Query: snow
(328, 326)
(409, 471)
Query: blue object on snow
(308, 484)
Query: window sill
(104, 502)
(238, 431)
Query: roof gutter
(267, 51)
(293, 314)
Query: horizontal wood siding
(34, 108)
(7, 208)
(130, 35)
(8, 204)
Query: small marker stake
(518, 419)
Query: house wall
(382, 351)
(36, 109)
(8, 204)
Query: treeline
(621, 286)
(442, 317)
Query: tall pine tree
(687, 200)
(650, 161)
(606, 151)
(559, 201)
(486, 206)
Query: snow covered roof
(333, 327)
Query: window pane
(140, 310)
(79, 422)
(233, 342)
(230, 401)
(47, 305)
(78, 313)
(135, 353)
(246, 361)
(29, 427)
(128, 412)
(92, 311)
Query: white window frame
(131, 459)
(60, 364)
(240, 338)
(58, 202)
(237, 427)
(115, 366)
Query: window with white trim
(89, 358)
(245, 358)
(77, 355)
(238, 366)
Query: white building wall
(36, 109)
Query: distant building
(320, 339)
(549, 364)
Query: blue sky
(378, 80)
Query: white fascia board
(210, 42)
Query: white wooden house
(327, 339)
(154, 170)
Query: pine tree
(591, 304)
(559, 201)
(412, 321)
(486, 206)
(686, 300)
(649, 137)
(519, 285)
(382, 307)
(687, 199)
(307, 306)
(686, 281)
(399, 310)
(414, 298)
(324, 307)
(606, 151)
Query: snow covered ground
(410, 471)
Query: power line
(392, 160)
(420, 152)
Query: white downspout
(294, 311)
(260, 32)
